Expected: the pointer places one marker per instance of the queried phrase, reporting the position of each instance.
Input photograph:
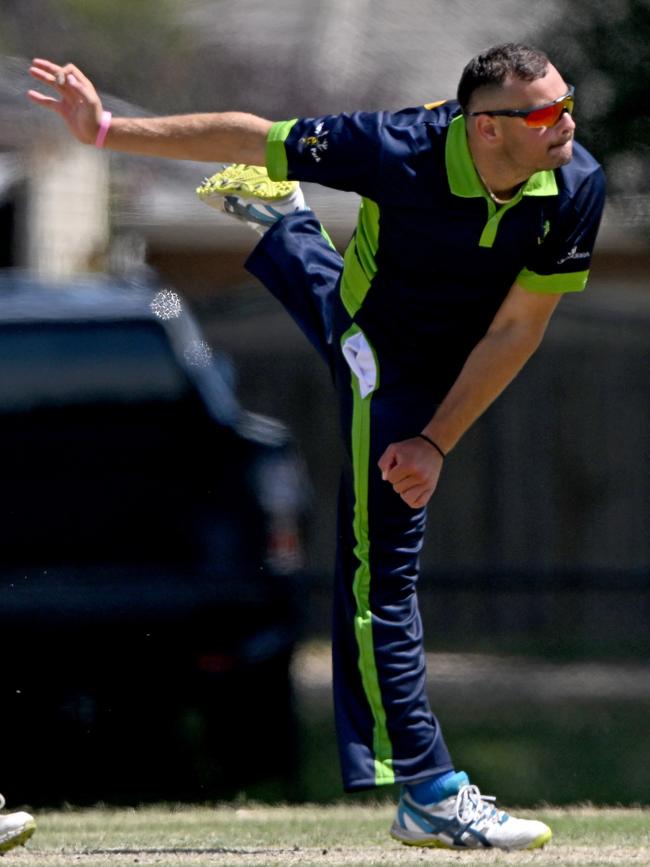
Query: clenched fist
(413, 468)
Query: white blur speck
(198, 354)
(166, 304)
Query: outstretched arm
(413, 466)
(218, 137)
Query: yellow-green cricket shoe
(248, 194)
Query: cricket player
(477, 215)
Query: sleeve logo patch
(317, 142)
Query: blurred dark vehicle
(150, 555)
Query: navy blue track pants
(385, 728)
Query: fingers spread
(76, 75)
(77, 101)
(47, 72)
(41, 75)
(46, 101)
(57, 76)
(45, 64)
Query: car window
(49, 364)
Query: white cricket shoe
(248, 194)
(15, 829)
(467, 820)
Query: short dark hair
(492, 67)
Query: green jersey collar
(463, 177)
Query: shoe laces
(472, 806)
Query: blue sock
(437, 788)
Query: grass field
(333, 835)
(528, 732)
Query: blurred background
(535, 579)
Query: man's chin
(560, 155)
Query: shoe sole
(18, 839)
(245, 182)
(433, 843)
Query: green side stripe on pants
(383, 749)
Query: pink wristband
(102, 132)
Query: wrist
(433, 443)
(102, 132)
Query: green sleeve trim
(276, 154)
(553, 283)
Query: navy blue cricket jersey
(432, 257)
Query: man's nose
(566, 121)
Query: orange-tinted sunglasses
(544, 115)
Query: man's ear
(488, 129)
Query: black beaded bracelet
(431, 443)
